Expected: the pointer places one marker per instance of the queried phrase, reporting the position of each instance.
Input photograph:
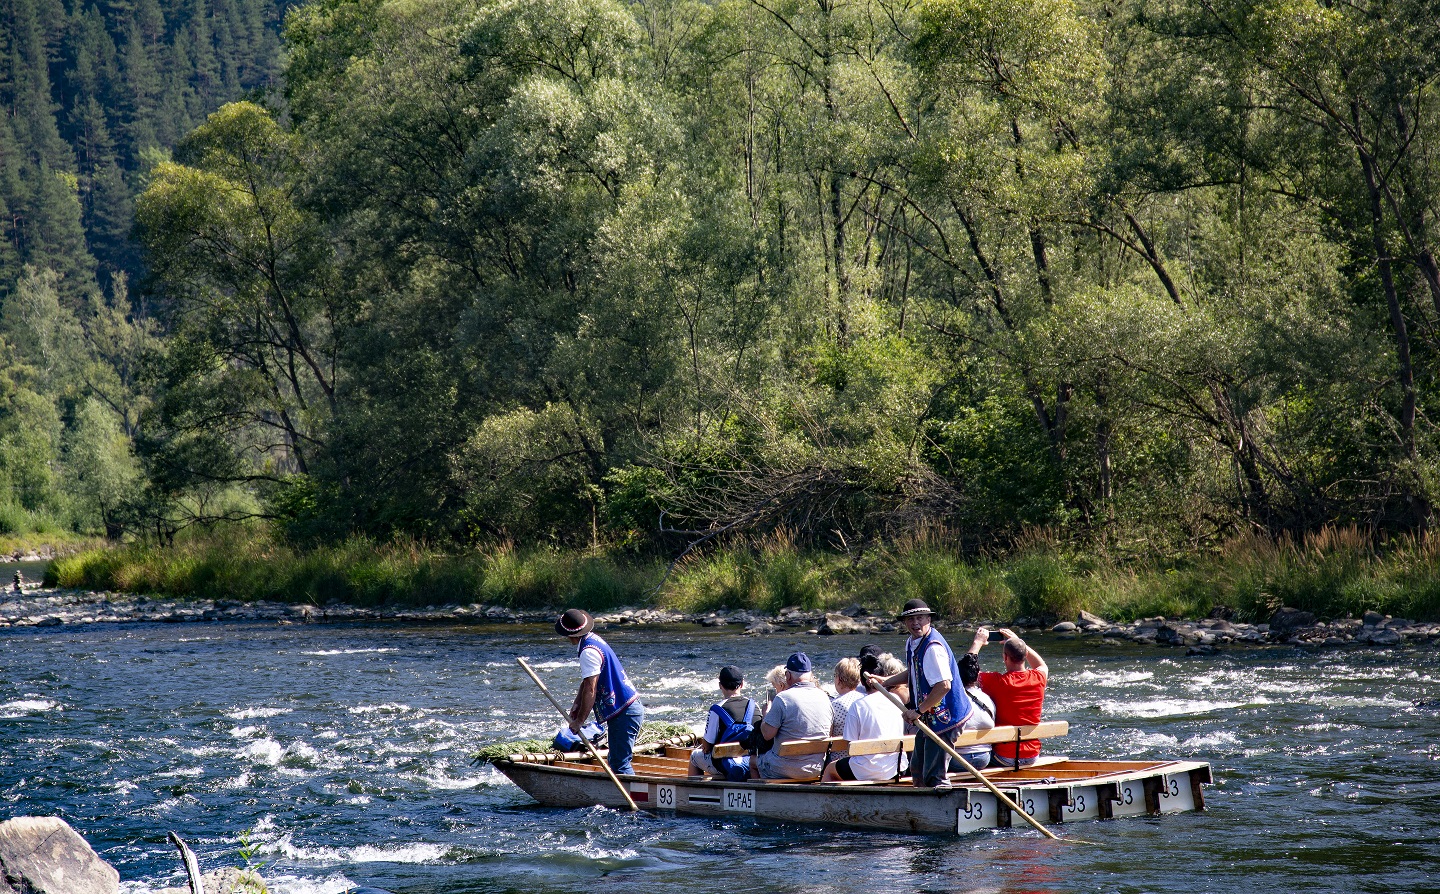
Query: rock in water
(838, 623)
(1286, 620)
(225, 881)
(43, 855)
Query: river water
(344, 752)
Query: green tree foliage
(662, 272)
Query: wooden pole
(589, 746)
(873, 684)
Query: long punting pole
(589, 746)
(873, 683)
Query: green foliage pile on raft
(1333, 572)
(650, 732)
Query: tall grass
(252, 566)
(1331, 573)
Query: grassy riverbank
(1333, 573)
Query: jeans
(1010, 762)
(930, 764)
(624, 728)
(979, 761)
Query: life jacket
(613, 692)
(955, 706)
(734, 725)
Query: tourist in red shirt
(1019, 694)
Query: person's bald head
(1015, 649)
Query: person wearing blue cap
(802, 711)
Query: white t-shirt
(936, 667)
(591, 658)
(979, 719)
(874, 717)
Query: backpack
(734, 726)
(567, 741)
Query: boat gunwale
(1150, 770)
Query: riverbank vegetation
(831, 301)
(1332, 573)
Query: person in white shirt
(872, 717)
(847, 693)
(981, 718)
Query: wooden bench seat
(1045, 730)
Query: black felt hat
(574, 622)
(915, 607)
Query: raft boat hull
(1056, 792)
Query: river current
(343, 751)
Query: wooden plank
(1000, 734)
(881, 746)
(1047, 730)
(796, 747)
(571, 765)
(1040, 764)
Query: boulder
(1064, 627)
(761, 627)
(1287, 620)
(225, 881)
(1087, 621)
(837, 623)
(43, 855)
(1177, 636)
(1373, 619)
(1385, 637)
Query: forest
(1137, 279)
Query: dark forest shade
(91, 89)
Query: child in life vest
(729, 720)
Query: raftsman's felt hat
(915, 607)
(574, 623)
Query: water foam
(256, 713)
(23, 706)
(1114, 678)
(1211, 740)
(697, 684)
(328, 652)
(276, 884)
(264, 751)
(1167, 707)
(387, 708)
(418, 852)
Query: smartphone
(997, 637)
